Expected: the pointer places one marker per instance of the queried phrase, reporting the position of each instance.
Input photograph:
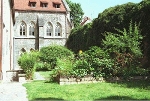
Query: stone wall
(73, 80)
(90, 79)
(40, 19)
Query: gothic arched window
(23, 29)
(58, 30)
(49, 29)
(32, 29)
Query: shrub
(80, 68)
(63, 68)
(27, 63)
(40, 66)
(94, 61)
(49, 55)
(124, 49)
(100, 61)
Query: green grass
(40, 90)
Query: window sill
(25, 37)
(53, 37)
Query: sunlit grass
(40, 90)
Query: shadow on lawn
(118, 98)
(141, 84)
(48, 99)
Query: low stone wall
(13, 75)
(73, 80)
(90, 79)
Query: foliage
(127, 41)
(27, 63)
(40, 66)
(115, 17)
(80, 68)
(63, 68)
(93, 62)
(76, 13)
(124, 48)
(49, 55)
(80, 38)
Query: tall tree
(76, 13)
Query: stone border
(89, 79)
(74, 80)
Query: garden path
(12, 91)
(15, 91)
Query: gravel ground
(13, 91)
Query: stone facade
(40, 19)
(17, 21)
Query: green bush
(27, 63)
(80, 68)
(49, 55)
(124, 49)
(40, 66)
(64, 68)
(101, 64)
(94, 61)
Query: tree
(76, 13)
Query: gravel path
(13, 91)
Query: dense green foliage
(93, 62)
(64, 68)
(49, 55)
(76, 13)
(114, 17)
(124, 49)
(27, 62)
(120, 55)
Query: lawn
(41, 90)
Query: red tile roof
(24, 5)
(32, 0)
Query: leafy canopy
(76, 13)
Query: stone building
(30, 25)
(39, 23)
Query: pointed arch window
(23, 29)
(49, 29)
(32, 29)
(58, 30)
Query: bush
(49, 55)
(124, 49)
(27, 63)
(40, 66)
(63, 68)
(100, 61)
(94, 61)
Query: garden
(109, 61)
(114, 45)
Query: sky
(92, 8)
